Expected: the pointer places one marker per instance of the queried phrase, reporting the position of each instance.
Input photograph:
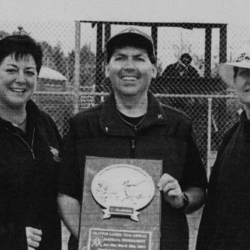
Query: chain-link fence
(203, 96)
(76, 51)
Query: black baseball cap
(131, 37)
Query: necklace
(130, 124)
(21, 124)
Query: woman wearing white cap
(225, 222)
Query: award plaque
(121, 206)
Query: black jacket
(225, 223)
(172, 71)
(165, 134)
(28, 181)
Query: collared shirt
(29, 166)
(164, 134)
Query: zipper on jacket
(32, 142)
(133, 148)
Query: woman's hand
(34, 236)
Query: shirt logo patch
(55, 153)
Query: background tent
(51, 80)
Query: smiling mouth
(129, 78)
(17, 90)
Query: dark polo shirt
(164, 134)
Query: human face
(130, 72)
(185, 61)
(242, 86)
(17, 80)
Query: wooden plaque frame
(119, 232)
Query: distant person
(182, 68)
(225, 223)
(29, 148)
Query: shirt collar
(32, 113)
(243, 116)
(111, 122)
(245, 122)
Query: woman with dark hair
(29, 153)
(225, 222)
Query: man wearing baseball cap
(131, 123)
(225, 222)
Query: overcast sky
(128, 10)
(18, 12)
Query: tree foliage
(186, 47)
(87, 66)
(3, 34)
(55, 58)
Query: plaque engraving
(121, 208)
(123, 189)
(104, 239)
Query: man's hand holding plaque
(172, 192)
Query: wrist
(185, 202)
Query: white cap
(226, 70)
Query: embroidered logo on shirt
(55, 153)
(243, 57)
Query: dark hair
(20, 46)
(236, 69)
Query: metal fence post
(208, 51)
(209, 136)
(77, 65)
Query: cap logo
(131, 30)
(243, 57)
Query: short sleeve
(69, 174)
(194, 174)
